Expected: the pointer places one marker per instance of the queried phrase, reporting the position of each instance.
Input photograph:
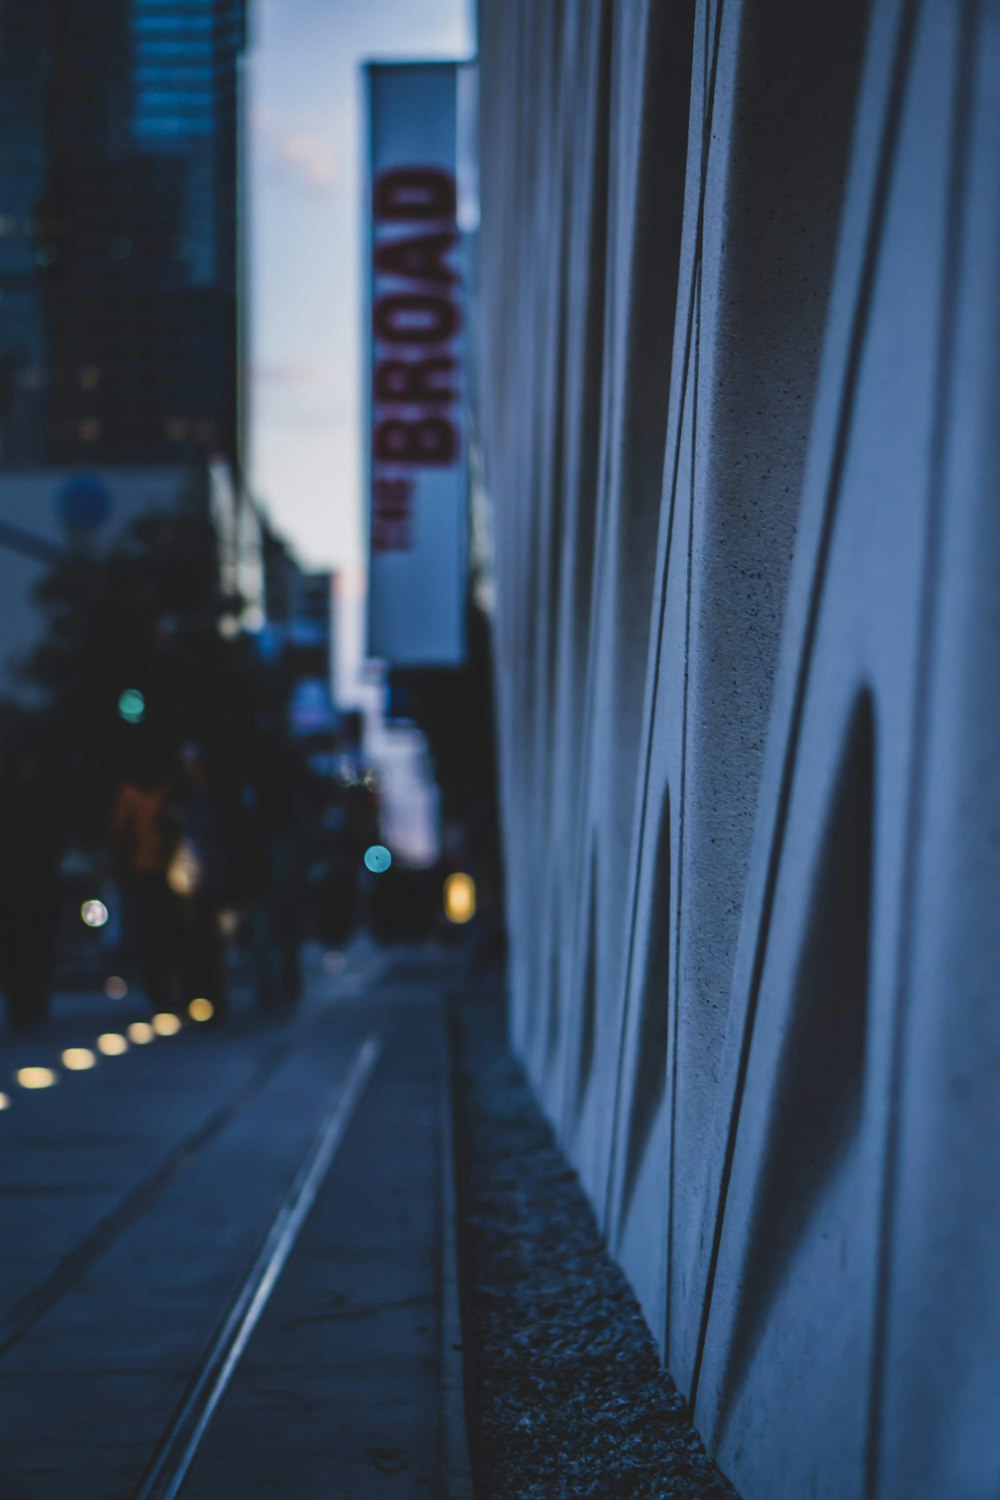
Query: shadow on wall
(817, 1107)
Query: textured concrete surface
(740, 450)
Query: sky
(305, 142)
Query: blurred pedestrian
(145, 836)
(200, 875)
(33, 815)
(279, 793)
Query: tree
(146, 619)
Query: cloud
(261, 118)
(307, 158)
(297, 154)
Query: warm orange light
(201, 1010)
(166, 1023)
(184, 871)
(4, 1101)
(459, 898)
(78, 1059)
(141, 1032)
(112, 1044)
(37, 1078)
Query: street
(222, 1266)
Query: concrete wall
(740, 374)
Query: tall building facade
(24, 150)
(738, 394)
(120, 254)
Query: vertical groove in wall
(554, 1027)
(588, 1011)
(593, 315)
(859, 317)
(649, 1083)
(647, 344)
(767, 273)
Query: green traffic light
(132, 706)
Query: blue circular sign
(378, 859)
(84, 504)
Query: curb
(456, 1472)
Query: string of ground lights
(109, 1043)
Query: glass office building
(122, 168)
(23, 159)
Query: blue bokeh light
(378, 859)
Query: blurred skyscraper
(120, 218)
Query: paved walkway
(223, 1255)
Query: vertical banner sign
(417, 449)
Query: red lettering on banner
(392, 515)
(415, 317)
(415, 193)
(411, 381)
(428, 440)
(418, 257)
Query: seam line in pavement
(74, 1266)
(177, 1450)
